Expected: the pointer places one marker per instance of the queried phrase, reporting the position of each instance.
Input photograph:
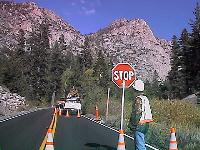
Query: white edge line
(117, 131)
(19, 115)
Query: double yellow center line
(53, 127)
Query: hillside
(133, 41)
(123, 40)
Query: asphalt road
(25, 132)
(83, 134)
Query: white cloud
(90, 12)
(86, 7)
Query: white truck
(72, 104)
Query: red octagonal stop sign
(123, 71)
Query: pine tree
(78, 69)
(155, 84)
(21, 63)
(86, 56)
(61, 43)
(101, 70)
(57, 66)
(69, 57)
(9, 73)
(13, 64)
(195, 50)
(39, 44)
(175, 66)
(186, 60)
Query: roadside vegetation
(183, 116)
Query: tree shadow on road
(99, 146)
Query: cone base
(121, 147)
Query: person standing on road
(140, 117)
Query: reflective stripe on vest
(146, 111)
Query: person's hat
(138, 85)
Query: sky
(165, 17)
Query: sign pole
(123, 75)
(107, 104)
(122, 113)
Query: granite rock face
(27, 16)
(133, 41)
(123, 40)
(10, 102)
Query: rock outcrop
(27, 16)
(133, 41)
(10, 102)
(123, 40)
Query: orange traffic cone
(55, 111)
(173, 143)
(60, 112)
(67, 114)
(121, 143)
(78, 114)
(97, 113)
(49, 143)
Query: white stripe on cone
(173, 143)
(173, 137)
(49, 143)
(121, 143)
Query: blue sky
(165, 17)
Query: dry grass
(184, 116)
(176, 113)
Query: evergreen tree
(39, 44)
(9, 73)
(101, 70)
(155, 84)
(20, 60)
(69, 57)
(61, 43)
(86, 56)
(77, 68)
(175, 66)
(186, 64)
(13, 64)
(57, 66)
(195, 50)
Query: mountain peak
(124, 40)
(133, 41)
(27, 16)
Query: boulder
(10, 102)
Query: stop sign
(123, 71)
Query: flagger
(141, 116)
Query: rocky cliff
(123, 40)
(10, 102)
(27, 16)
(133, 41)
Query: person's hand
(141, 123)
